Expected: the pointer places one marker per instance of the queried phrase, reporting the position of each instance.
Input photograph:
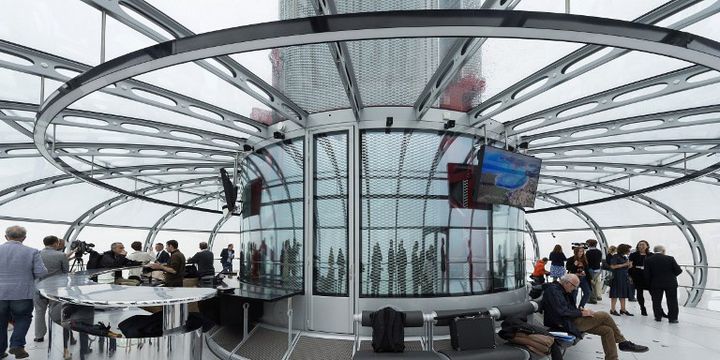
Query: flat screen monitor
(501, 177)
(507, 177)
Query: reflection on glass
(412, 242)
(271, 241)
(331, 197)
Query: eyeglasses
(575, 286)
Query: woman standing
(578, 265)
(557, 262)
(619, 287)
(636, 272)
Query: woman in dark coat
(620, 286)
(642, 251)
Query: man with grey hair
(561, 314)
(115, 258)
(661, 272)
(19, 267)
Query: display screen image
(507, 178)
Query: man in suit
(161, 256)
(55, 262)
(661, 272)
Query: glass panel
(394, 71)
(508, 248)
(332, 236)
(410, 235)
(271, 239)
(67, 28)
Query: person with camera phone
(578, 265)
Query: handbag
(472, 333)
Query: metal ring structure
(367, 26)
(699, 255)
(585, 217)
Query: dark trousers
(672, 302)
(21, 311)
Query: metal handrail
(691, 287)
(701, 266)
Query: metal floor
(693, 338)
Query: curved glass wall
(330, 215)
(412, 242)
(271, 236)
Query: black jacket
(162, 257)
(661, 271)
(111, 260)
(204, 261)
(594, 258)
(560, 309)
(225, 254)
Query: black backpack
(388, 330)
(93, 260)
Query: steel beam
(533, 237)
(460, 52)
(240, 77)
(367, 26)
(585, 217)
(341, 58)
(683, 146)
(83, 220)
(557, 72)
(21, 150)
(155, 229)
(699, 275)
(47, 65)
(611, 168)
(216, 229)
(681, 118)
(32, 187)
(660, 85)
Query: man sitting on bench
(562, 314)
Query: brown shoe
(19, 352)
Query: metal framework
(699, 274)
(533, 238)
(239, 76)
(47, 65)
(32, 187)
(456, 58)
(79, 224)
(587, 219)
(556, 73)
(157, 227)
(341, 57)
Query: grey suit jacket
(19, 267)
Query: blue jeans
(21, 312)
(585, 287)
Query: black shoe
(19, 352)
(3, 355)
(658, 319)
(613, 312)
(674, 321)
(629, 346)
(625, 312)
(592, 302)
(664, 315)
(643, 311)
(632, 300)
(38, 339)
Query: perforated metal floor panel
(409, 346)
(228, 338)
(313, 348)
(264, 344)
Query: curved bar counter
(80, 303)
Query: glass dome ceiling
(615, 108)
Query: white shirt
(140, 256)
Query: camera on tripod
(80, 248)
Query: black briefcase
(472, 333)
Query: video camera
(80, 248)
(577, 245)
